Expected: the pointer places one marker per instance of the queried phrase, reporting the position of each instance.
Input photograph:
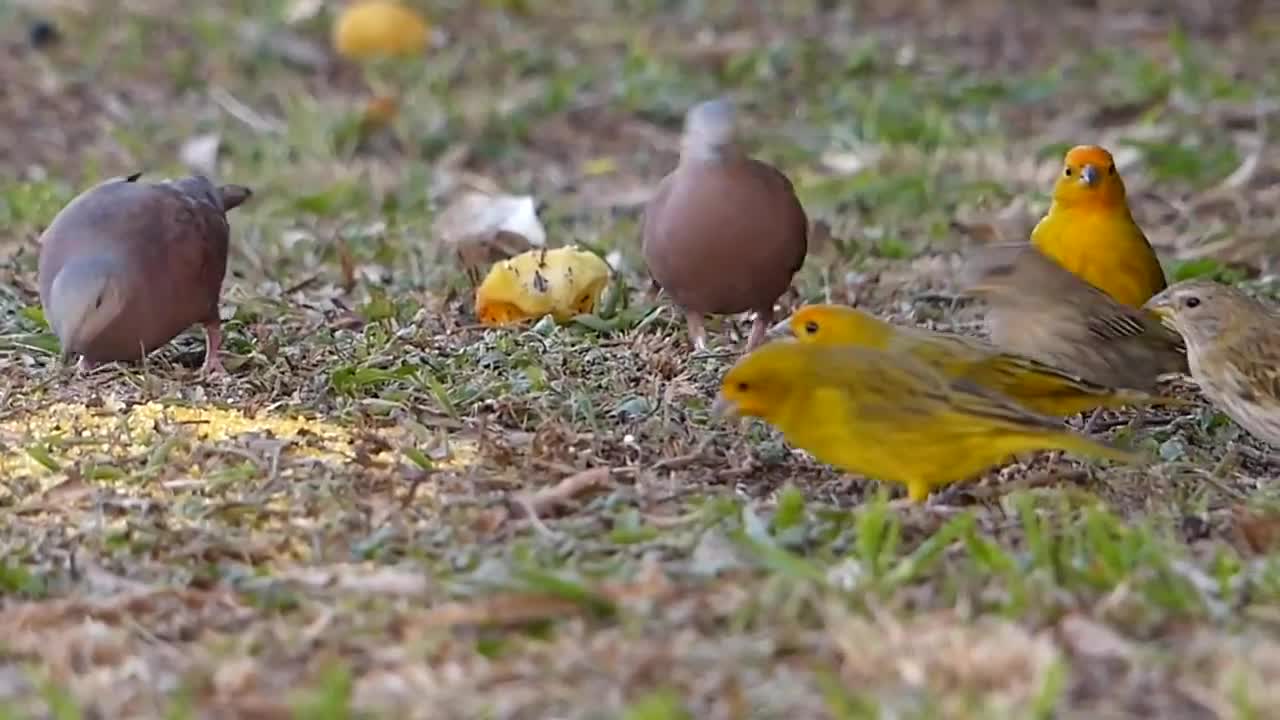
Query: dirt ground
(387, 510)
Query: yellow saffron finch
(1090, 231)
(1038, 387)
(889, 417)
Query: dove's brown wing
(190, 241)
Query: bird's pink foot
(213, 343)
(760, 329)
(1093, 420)
(86, 365)
(697, 331)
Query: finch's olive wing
(1016, 365)
(973, 399)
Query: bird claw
(759, 329)
(212, 366)
(697, 331)
(213, 343)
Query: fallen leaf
(1085, 637)
(484, 228)
(378, 114)
(1257, 528)
(200, 153)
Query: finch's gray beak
(1089, 175)
(780, 330)
(723, 408)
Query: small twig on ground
(1249, 453)
(1230, 460)
(419, 478)
(561, 493)
(1102, 426)
(1219, 483)
(679, 461)
(942, 299)
(302, 284)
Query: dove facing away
(724, 233)
(128, 265)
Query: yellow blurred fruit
(379, 28)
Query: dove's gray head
(202, 189)
(708, 129)
(198, 187)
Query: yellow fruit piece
(562, 283)
(374, 28)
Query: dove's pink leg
(213, 342)
(85, 364)
(759, 328)
(697, 331)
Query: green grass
(166, 571)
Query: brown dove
(1038, 309)
(724, 233)
(128, 265)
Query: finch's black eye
(811, 327)
(742, 387)
(1191, 302)
(1067, 172)
(1111, 170)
